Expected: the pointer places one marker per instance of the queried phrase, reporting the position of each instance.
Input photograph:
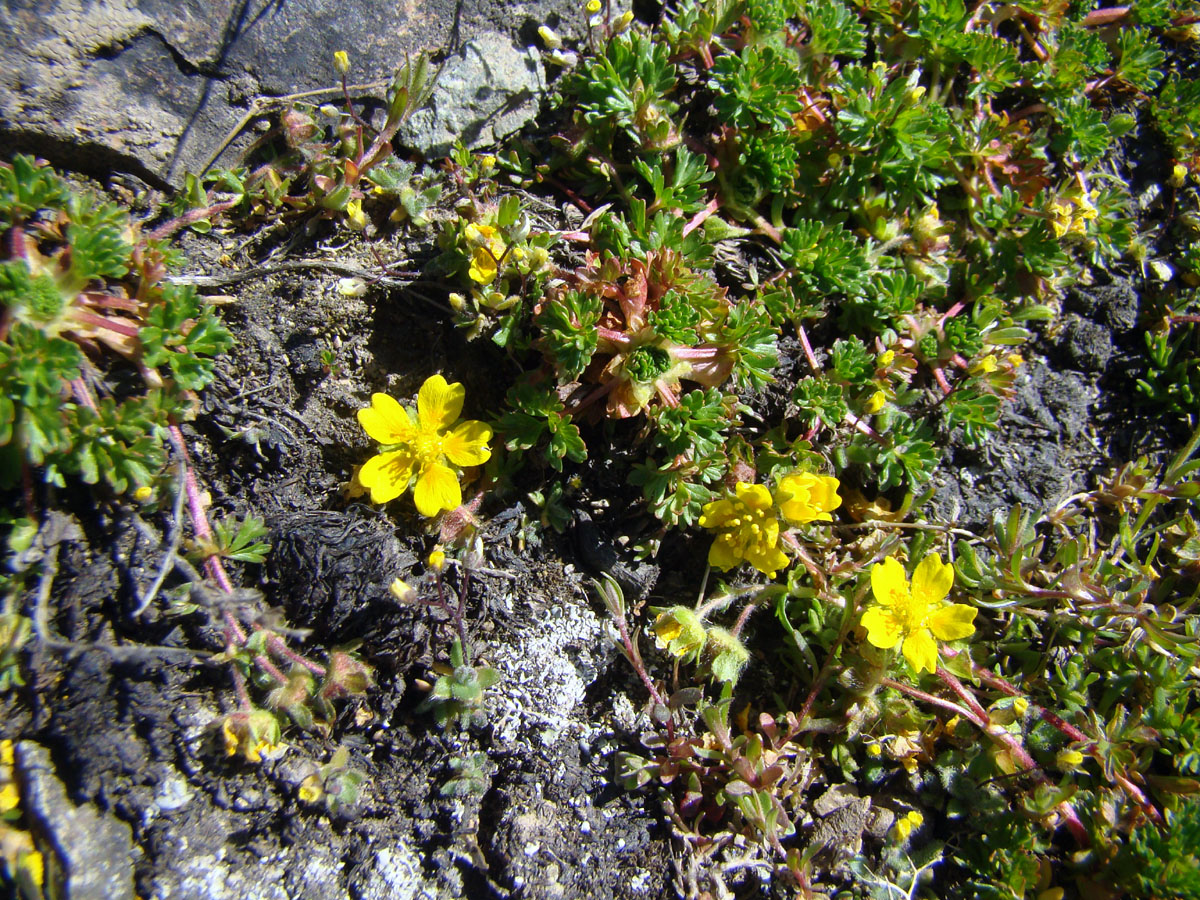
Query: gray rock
(484, 93)
(836, 797)
(152, 87)
(393, 873)
(94, 849)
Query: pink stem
(934, 699)
(113, 325)
(967, 697)
(1104, 16)
(82, 394)
(808, 350)
(697, 220)
(276, 645)
(941, 380)
(203, 531)
(1014, 746)
(264, 663)
(169, 228)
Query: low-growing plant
(83, 293)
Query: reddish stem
(697, 220)
(1104, 16)
(113, 325)
(264, 663)
(167, 229)
(967, 697)
(808, 350)
(204, 532)
(277, 646)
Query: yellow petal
(467, 444)
(716, 513)
(386, 475)
(439, 404)
(883, 631)
(889, 584)
(483, 266)
(386, 421)
(932, 580)
(766, 559)
(806, 497)
(827, 496)
(755, 496)
(920, 650)
(722, 554)
(953, 622)
(437, 489)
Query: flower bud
(345, 676)
(729, 655)
(402, 591)
(549, 38)
(341, 62)
(679, 631)
(1068, 760)
(437, 558)
(875, 403)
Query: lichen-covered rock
(486, 92)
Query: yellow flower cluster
(487, 250)
(20, 861)
(1071, 214)
(252, 735)
(748, 523)
(420, 446)
(906, 825)
(913, 616)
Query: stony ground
(117, 723)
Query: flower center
(428, 447)
(748, 524)
(910, 613)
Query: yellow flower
(420, 445)
(33, 865)
(906, 825)
(593, 6)
(9, 798)
(341, 62)
(437, 558)
(875, 402)
(749, 530)
(311, 789)
(485, 257)
(806, 497)
(679, 631)
(914, 616)
(356, 219)
(985, 365)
